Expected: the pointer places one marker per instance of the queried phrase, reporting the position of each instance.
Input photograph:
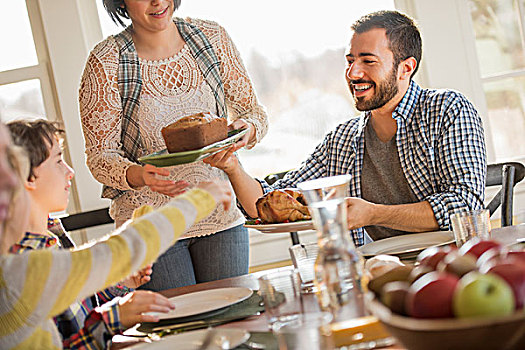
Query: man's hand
(132, 306)
(139, 278)
(359, 213)
(168, 187)
(220, 190)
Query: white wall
(69, 40)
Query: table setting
(332, 297)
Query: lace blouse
(172, 88)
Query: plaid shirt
(130, 86)
(81, 326)
(441, 148)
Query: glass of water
(303, 259)
(281, 292)
(468, 224)
(309, 331)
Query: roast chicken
(282, 206)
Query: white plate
(224, 338)
(205, 301)
(408, 243)
(284, 227)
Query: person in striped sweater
(37, 285)
(82, 325)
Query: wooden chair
(506, 175)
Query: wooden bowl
(501, 333)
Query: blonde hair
(12, 230)
(19, 161)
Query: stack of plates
(408, 246)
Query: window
(296, 63)
(499, 27)
(21, 100)
(25, 89)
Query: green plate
(163, 158)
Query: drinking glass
(468, 224)
(281, 292)
(303, 259)
(310, 331)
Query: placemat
(246, 308)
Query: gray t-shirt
(382, 179)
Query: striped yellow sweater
(37, 285)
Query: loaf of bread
(194, 131)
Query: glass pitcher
(339, 266)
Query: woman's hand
(132, 306)
(243, 141)
(220, 190)
(226, 160)
(139, 278)
(148, 175)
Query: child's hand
(133, 306)
(139, 278)
(220, 190)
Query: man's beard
(384, 92)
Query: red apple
(513, 272)
(519, 255)
(418, 271)
(477, 246)
(499, 254)
(433, 255)
(394, 295)
(431, 296)
(457, 264)
(489, 255)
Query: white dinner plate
(283, 227)
(204, 301)
(409, 243)
(224, 338)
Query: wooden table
(506, 235)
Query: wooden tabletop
(506, 235)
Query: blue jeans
(202, 259)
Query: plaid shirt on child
(441, 148)
(82, 326)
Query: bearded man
(415, 155)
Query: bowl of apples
(467, 298)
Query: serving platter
(283, 227)
(164, 159)
(407, 245)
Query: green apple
(479, 295)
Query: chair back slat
(506, 175)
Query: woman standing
(155, 72)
